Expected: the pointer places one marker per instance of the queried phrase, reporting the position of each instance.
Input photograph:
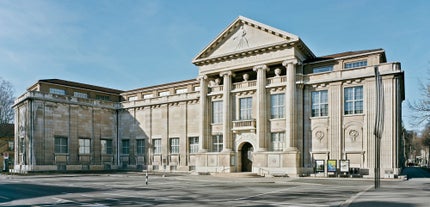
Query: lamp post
(379, 122)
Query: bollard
(146, 178)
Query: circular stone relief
(319, 135)
(353, 134)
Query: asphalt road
(191, 190)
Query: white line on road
(3, 197)
(120, 195)
(350, 200)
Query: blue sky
(133, 44)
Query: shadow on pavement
(11, 191)
(415, 172)
(380, 203)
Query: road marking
(350, 200)
(61, 200)
(95, 204)
(290, 204)
(121, 195)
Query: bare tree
(6, 102)
(425, 141)
(422, 106)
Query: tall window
(125, 147)
(319, 103)
(353, 100)
(57, 91)
(106, 146)
(355, 64)
(22, 145)
(277, 141)
(217, 112)
(84, 146)
(140, 146)
(157, 146)
(277, 106)
(61, 145)
(245, 107)
(217, 143)
(174, 145)
(194, 144)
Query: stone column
(226, 109)
(203, 114)
(290, 106)
(261, 107)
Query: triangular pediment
(244, 35)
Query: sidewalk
(414, 192)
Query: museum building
(262, 102)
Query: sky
(133, 44)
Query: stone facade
(262, 102)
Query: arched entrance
(246, 157)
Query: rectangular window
(125, 147)
(277, 106)
(277, 141)
(84, 146)
(194, 144)
(182, 90)
(217, 143)
(80, 95)
(323, 69)
(217, 112)
(11, 145)
(157, 146)
(106, 146)
(353, 100)
(174, 145)
(132, 98)
(147, 96)
(102, 97)
(319, 103)
(140, 145)
(61, 145)
(356, 64)
(164, 93)
(57, 91)
(245, 108)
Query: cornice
(244, 53)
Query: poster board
(319, 165)
(344, 166)
(331, 165)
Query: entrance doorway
(247, 150)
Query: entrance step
(237, 175)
